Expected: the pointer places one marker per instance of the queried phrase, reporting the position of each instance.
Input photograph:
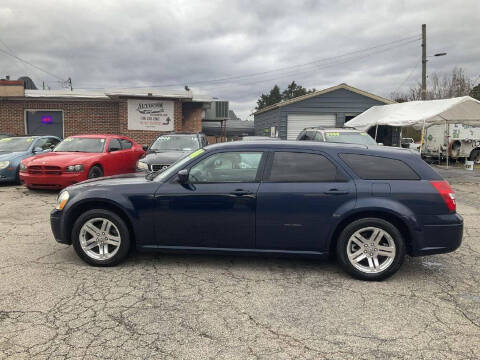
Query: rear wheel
(95, 172)
(371, 249)
(101, 238)
(475, 156)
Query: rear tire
(370, 249)
(101, 238)
(475, 156)
(95, 172)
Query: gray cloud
(123, 44)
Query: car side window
(40, 143)
(370, 167)
(126, 144)
(318, 136)
(226, 167)
(302, 167)
(114, 145)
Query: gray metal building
(330, 107)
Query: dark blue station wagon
(368, 205)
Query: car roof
(310, 145)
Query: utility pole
(424, 61)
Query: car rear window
(302, 167)
(370, 167)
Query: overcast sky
(249, 45)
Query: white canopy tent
(460, 110)
(420, 114)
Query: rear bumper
(56, 223)
(439, 238)
(42, 181)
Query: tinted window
(81, 144)
(125, 144)
(379, 168)
(302, 167)
(114, 145)
(227, 167)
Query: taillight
(446, 192)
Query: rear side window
(379, 168)
(125, 144)
(302, 167)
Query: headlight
(4, 164)
(74, 168)
(23, 167)
(62, 200)
(142, 165)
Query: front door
(297, 200)
(216, 208)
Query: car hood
(4, 156)
(164, 157)
(61, 158)
(124, 179)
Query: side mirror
(183, 176)
(145, 147)
(37, 150)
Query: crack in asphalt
(53, 306)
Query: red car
(79, 158)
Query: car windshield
(78, 144)
(10, 144)
(175, 167)
(176, 142)
(349, 138)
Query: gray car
(168, 148)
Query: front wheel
(371, 249)
(95, 172)
(101, 238)
(475, 156)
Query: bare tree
(443, 86)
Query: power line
(415, 66)
(399, 42)
(29, 63)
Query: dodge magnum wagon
(368, 206)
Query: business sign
(156, 115)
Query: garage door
(44, 123)
(298, 122)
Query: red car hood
(61, 158)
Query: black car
(369, 205)
(168, 148)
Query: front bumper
(56, 223)
(8, 174)
(46, 181)
(438, 237)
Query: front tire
(95, 172)
(475, 156)
(101, 238)
(371, 249)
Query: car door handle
(336, 192)
(241, 192)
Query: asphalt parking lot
(53, 306)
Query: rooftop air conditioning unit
(218, 111)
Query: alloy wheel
(100, 238)
(371, 250)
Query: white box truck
(463, 142)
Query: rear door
(297, 201)
(131, 155)
(116, 163)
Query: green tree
(475, 92)
(292, 91)
(269, 99)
